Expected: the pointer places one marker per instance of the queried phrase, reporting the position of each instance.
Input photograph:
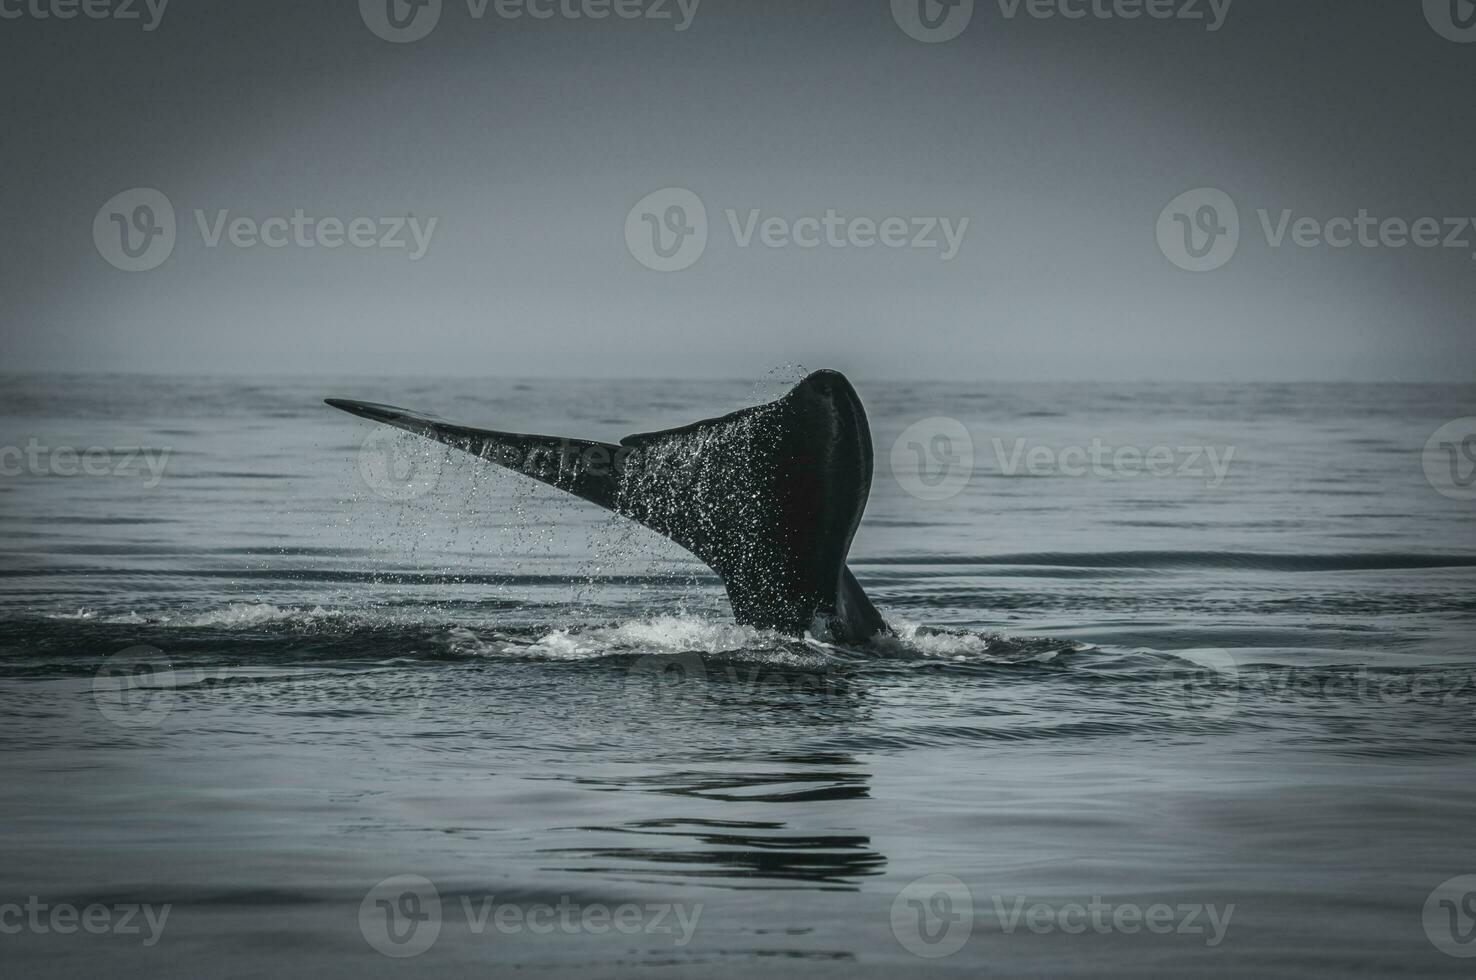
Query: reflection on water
(736, 853)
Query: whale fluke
(769, 497)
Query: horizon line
(740, 379)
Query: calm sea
(1184, 683)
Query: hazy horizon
(777, 371)
(534, 145)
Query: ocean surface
(311, 698)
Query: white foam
(80, 614)
(661, 634)
(916, 640)
(93, 616)
(913, 639)
(247, 614)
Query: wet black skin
(769, 497)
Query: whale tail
(769, 497)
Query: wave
(380, 630)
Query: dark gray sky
(529, 141)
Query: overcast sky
(529, 141)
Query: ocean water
(310, 698)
